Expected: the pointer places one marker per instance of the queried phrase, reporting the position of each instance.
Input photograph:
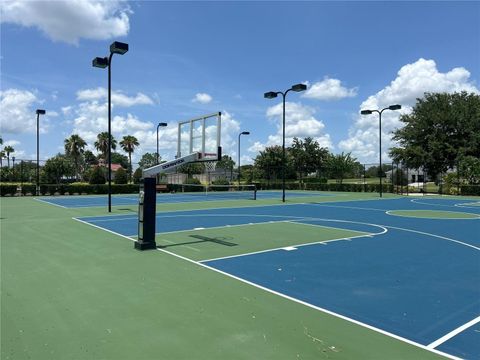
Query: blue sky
(187, 59)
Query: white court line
(101, 228)
(462, 205)
(389, 212)
(453, 333)
(50, 203)
(383, 332)
(356, 322)
(433, 235)
(309, 243)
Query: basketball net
(210, 166)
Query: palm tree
(128, 145)
(74, 148)
(102, 144)
(2, 155)
(8, 149)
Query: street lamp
(242, 133)
(115, 48)
(368, 112)
(162, 124)
(38, 112)
(274, 94)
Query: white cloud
(300, 122)
(118, 98)
(329, 89)
(412, 81)
(18, 112)
(70, 20)
(202, 98)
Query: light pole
(162, 124)
(242, 133)
(368, 112)
(274, 94)
(115, 48)
(39, 112)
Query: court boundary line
(388, 212)
(326, 311)
(50, 203)
(453, 333)
(458, 205)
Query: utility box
(147, 203)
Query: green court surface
(245, 239)
(70, 291)
(433, 214)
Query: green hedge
(8, 190)
(320, 186)
(71, 189)
(470, 190)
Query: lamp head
(395, 107)
(299, 87)
(245, 133)
(270, 95)
(100, 62)
(366, 112)
(162, 124)
(118, 47)
(40, 112)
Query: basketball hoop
(210, 166)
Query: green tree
(440, 130)
(137, 176)
(121, 159)
(128, 144)
(191, 168)
(90, 158)
(269, 162)
(56, 168)
(8, 150)
(340, 166)
(74, 148)
(227, 164)
(307, 156)
(102, 144)
(97, 176)
(469, 169)
(2, 156)
(121, 176)
(148, 160)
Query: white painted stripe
(50, 203)
(383, 332)
(199, 228)
(289, 248)
(101, 228)
(453, 333)
(389, 212)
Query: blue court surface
(412, 278)
(132, 199)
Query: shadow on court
(202, 239)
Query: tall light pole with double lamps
(39, 112)
(242, 133)
(368, 112)
(115, 48)
(162, 124)
(274, 94)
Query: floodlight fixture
(299, 87)
(366, 112)
(395, 107)
(245, 133)
(270, 95)
(38, 112)
(100, 62)
(118, 47)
